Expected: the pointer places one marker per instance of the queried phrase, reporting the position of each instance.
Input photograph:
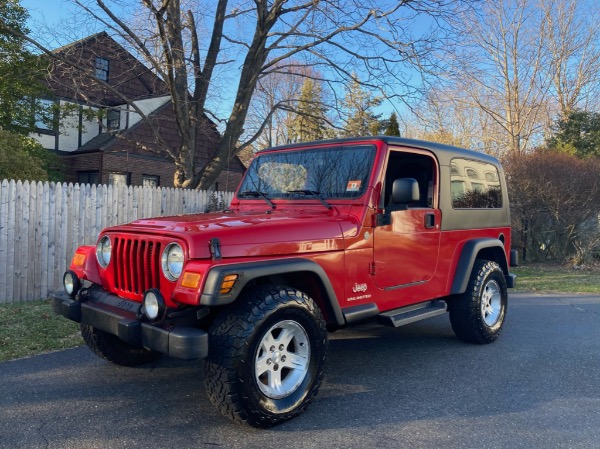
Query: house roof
(100, 142)
(82, 41)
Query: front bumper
(119, 317)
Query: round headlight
(172, 261)
(103, 249)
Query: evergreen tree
(578, 134)
(358, 105)
(21, 75)
(392, 128)
(310, 122)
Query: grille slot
(137, 264)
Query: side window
(44, 115)
(113, 119)
(150, 181)
(119, 179)
(474, 185)
(88, 177)
(420, 167)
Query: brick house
(100, 138)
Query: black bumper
(118, 316)
(511, 280)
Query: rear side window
(474, 185)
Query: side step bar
(406, 315)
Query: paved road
(538, 386)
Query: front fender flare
(252, 270)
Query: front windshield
(334, 172)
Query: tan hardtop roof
(444, 153)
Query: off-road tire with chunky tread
(465, 309)
(233, 340)
(115, 350)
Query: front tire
(477, 316)
(112, 348)
(266, 356)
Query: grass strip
(31, 328)
(557, 278)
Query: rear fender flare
(469, 253)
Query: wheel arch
(483, 248)
(302, 274)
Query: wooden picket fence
(41, 225)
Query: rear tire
(115, 350)
(266, 356)
(477, 316)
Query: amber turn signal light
(191, 280)
(228, 283)
(79, 260)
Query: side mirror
(405, 191)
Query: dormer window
(102, 66)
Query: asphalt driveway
(537, 386)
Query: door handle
(429, 220)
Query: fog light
(154, 304)
(71, 283)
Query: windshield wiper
(257, 194)
(313, 193)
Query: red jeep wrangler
(319, 236)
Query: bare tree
(446, 115)
(442, 118)
(572, 40)
(253, 39)
(500, 68)
(520, 63)
(276, 97)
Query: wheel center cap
(276, 357)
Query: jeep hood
(247, 234)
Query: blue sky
(56, 16)
(49, 11)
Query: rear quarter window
(474, 185)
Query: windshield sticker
(353, 186)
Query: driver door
(407, 237)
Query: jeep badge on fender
(319, 236)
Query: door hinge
(372, 268)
